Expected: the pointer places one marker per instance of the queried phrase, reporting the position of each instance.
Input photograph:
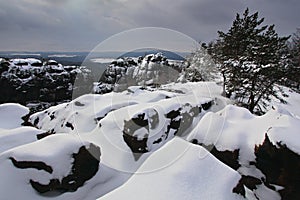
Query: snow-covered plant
(200, 67)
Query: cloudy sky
(79, 25)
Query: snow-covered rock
(254, 138)
(149, 70)
(41, 167)
(32, 80)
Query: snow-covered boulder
(54, 165)
(145, 127)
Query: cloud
(80, 24)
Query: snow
(112, 127)
(176, 172)
(10, 138)
(11, 114)
(293, 100)
(100, 119)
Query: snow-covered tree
(294, 51)
(295, 48)
(252, 61)
(200, 66)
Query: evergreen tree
(252, 61)
(294, 51)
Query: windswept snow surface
(11, 114)
(12, 133)
(181, 174)
(10, 138)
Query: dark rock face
(230, 158)
(70, 125)
(187, 113)
(175, 118)
(85, 166)
(116, 70)
(31, 164)
(207, 105)
(248, 181)
(43, 135)
(281, 167)
(130, 127)
(113, 74)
